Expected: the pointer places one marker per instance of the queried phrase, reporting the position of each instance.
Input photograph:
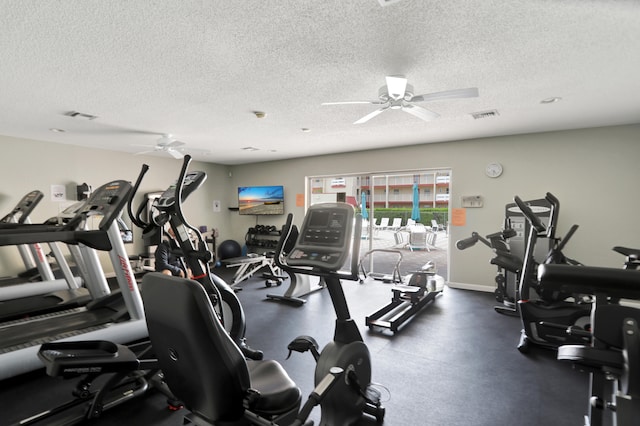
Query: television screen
(261, 200)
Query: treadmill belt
(41, 304)
(24, 334)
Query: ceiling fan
(398, 94)
(167, 143)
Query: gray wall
(591, 171)
(29, 165)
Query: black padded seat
(202, 365)
(277, 390)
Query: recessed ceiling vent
(384, 3)
(485, 114)
(76, 114)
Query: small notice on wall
(58, 193)
(299, 200)
(458, 217)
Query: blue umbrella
(363, 205)
(415, 211)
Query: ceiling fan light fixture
(396, 86)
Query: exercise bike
(325, 241)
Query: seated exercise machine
(612, 358)
(544, 320)
(330, 233)
(507, 263)
(408, 299)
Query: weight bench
(249, 265)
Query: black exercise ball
(229, 249)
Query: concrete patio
(412, 259)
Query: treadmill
(116, 316)
(16, 302)
(36, 266)
(38, 278)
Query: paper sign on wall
(299, 200)
(458, 217)
(58, 193)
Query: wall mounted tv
(261, 200)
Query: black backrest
(202, 365)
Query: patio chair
(384, 223)
(396, 224)
(435, 226)
(418, 237)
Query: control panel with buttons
(325, 238)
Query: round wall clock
(493, 170)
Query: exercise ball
(229, 249)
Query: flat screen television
(261, 200)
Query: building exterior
(389, 191)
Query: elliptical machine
(325, 241)
(195, 254)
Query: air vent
(76, 114)
(387, 2)
(485, 114)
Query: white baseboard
(474, 287)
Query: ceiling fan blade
(420, 112)
(471, 92)
(174, 144)
(354, 102)
(371, 115)
(396, 86)
(175, 154)
(145, 152)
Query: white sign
(58, 193)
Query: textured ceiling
(197, 70)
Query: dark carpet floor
(455, 363)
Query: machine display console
(324, 240)
(192, 181)
(108, 201)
